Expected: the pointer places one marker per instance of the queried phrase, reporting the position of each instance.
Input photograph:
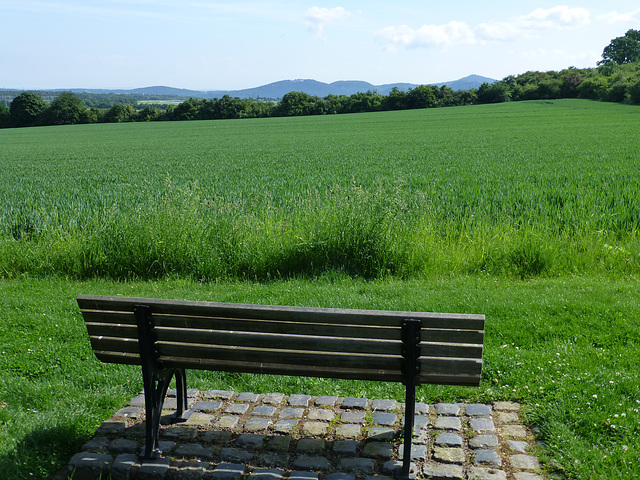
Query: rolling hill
(277, 90)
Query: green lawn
(567, 348)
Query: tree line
(615, 79)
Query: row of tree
(616, 79)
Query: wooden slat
(119, 358)
(451, 350)
(276, 326)
(206, 323)
(428, 365)
(326, 359)
(279, 341)
(116, 345)
(103, 316)
(311, 343)
(455, 366)
(117, 330)
(450, 379)
(283, 369)
(356, 331)
(283, 313)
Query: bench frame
(157, 376)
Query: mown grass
(568, 349)
(517, 190)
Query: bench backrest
(301, 341)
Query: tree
(365, 102)
(396, 100)
(148, 114)
(422, 96)
(300, 103)
(625, 49)
(5, 115)
(571, 80)
(119, 113)
(336, 103)
(634, 92)
(26, 109)
(66, 109)
(496, 92)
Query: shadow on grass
(42, 454)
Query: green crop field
(527, 212)
(528, 189)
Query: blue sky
(205, 45)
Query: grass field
(528, 213)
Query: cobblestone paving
(299, 437)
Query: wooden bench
(166, 337)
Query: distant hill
(343, 87)
(274, 90)
(277, 90)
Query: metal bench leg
(156, 380)
(181, 394)
(411, 353)
(155, 389)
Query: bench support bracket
(411, 371)
(156, 379)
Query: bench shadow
(42, 454)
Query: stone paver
(257, 425)
(274, 436)
(291, 413)
(326, 401)
(299, 400)
(482, 424)
(349, 430)
(264, 411)
(478, 409)
(449, 455)
(443, 471)
(449, 440)
(286, 426)
(248, 397)
(381, 434)
(273, 398)
(356, 403)
(324, 414)
(448, 423)
(315, 428)
(384, 405)
(485, 456)
(207, 406)
(384, 419)
(447, 409)
(346, 448)
(484, 441)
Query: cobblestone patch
(273, 436)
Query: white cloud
(556, 17)
(460, 33)
(499, 31)
(452, 33)
(615, 17)
(318, 17)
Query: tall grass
(369, 234)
